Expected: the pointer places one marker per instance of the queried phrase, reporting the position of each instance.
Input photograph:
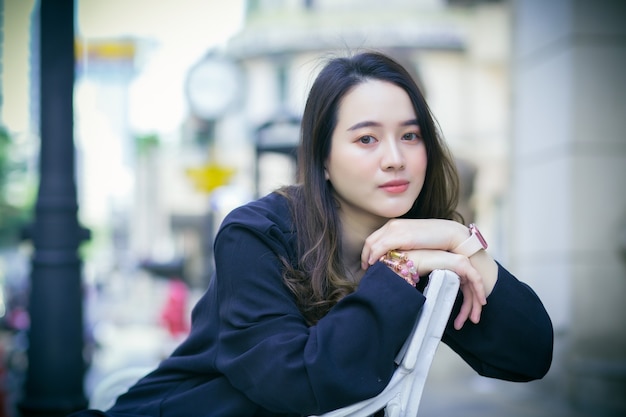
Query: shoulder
(266, 222)
(268, 215)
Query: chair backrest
(402, 396)
(114, 385)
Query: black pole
(56, 367)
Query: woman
(315, 285)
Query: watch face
(478, 235)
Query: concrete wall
(569, 173)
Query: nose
(392, 157)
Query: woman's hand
(428, 243)
(427, 260)
(407, 234)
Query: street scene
(129, 130)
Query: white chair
(402, 396)
(115, 384)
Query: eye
(411, 136)
(366, 140)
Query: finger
(473, 296)
(475, 289)
(366, 252)
(466, 308)
(477, 308)
(396, 234)
(376, 245)
(475, 280)
(365, 257)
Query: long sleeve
(514, 338)
(265, 348)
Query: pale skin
(377, 166)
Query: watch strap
(472, 244)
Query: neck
(355, 229)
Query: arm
(514, 338)
(430, 244)
(266, 349)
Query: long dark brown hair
(319, 280)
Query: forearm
(514, 337)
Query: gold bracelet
(400, 263)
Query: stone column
(569, 186)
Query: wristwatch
(472, 244)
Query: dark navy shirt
(251, 353)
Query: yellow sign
(108, 50)
(208, 177)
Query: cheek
(421, 161)
(340, 164)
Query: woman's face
(377, 161)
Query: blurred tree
(146, 144)
(13, 216)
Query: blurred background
(186, 109)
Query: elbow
(538, 360)
(545, 349)
(538, 369)
(539, 349)
(529, 368)
(532, 360)
(544, 355)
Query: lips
(395, 186)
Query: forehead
(375, 100)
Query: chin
(395, 212)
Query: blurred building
(458, 51)
(569, 208)
(529, 95)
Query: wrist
(487, 268)
(472, 244)
(461, 233)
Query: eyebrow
(368, 123)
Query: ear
(326, 176)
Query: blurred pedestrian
(317, 285)
(174, 312)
